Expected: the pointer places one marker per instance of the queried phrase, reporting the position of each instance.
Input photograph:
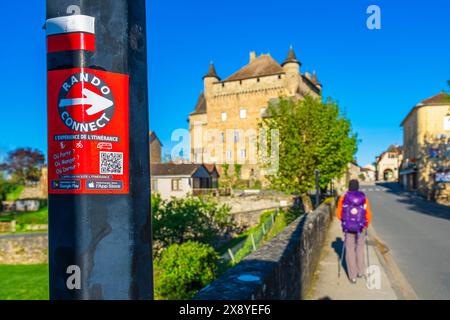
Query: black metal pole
(99, 173)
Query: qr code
(111, 163)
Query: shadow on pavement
(338, 246)
(416, 203)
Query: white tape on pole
(70, 24)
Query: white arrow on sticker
(97, 102)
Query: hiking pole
(367, 250)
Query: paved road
(418, 235)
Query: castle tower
(210, 78)
(292, 68)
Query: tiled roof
(211, 72)
(154, 137)
(292, 58)
(441, 98)
(201, 106)
(211, 168)
(170, 169)
(264, 65)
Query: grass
(24, 282)
(39, 217)
(30, 218)
(15, 194)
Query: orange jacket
(341, 205)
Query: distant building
(370, 173)
(426, 166)
(353, 173)
(181, 180)
(388, 164)
(238, 104)
(155, 148)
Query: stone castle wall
(22, 250)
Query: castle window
(258, 80)
(229, 155)
(279, 77)
(263, 111)
(243, 114)
(222, 137)
(236, 136)
(224, 116)
(243, 154)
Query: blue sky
(376, 76)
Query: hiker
(354, 212)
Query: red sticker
(88, 114)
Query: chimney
(252, 56)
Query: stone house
(182, 180)
(388, 164)
(426, 165)
(225, 124)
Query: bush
(191, 219)
(183, 270)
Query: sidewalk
(327, 284)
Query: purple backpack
(354, 212)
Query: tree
(313, 135)
(183, 270)
(5, 188)
(24, 164)
(191, 219)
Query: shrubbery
(191, 219)
(183, 270)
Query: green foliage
(191, 219)
(24, 219)
(226, 168)
(24, 282)
(183, 270)
(237, 171)
(313, 135)
(15, 192)
(8, 190)
(282, 221)
(24, 164)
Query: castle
(229, 112)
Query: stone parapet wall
(24, 249)
(281, 270)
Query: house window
(176, 185)
(243, 154)
(243, 114)
(222, 137)
(154, 185)
(229, 155)
(224, 116)
(447, 123)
